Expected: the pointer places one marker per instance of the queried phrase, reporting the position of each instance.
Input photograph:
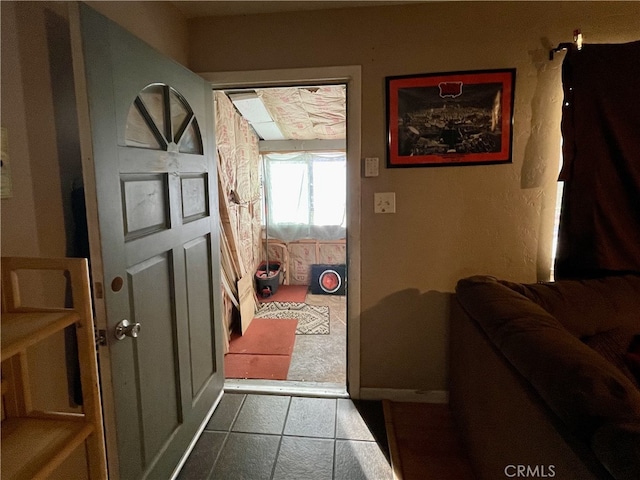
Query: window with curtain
(305, 195)
(599, 231)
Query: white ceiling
(193, 9)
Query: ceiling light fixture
(253, 110)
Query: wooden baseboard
(400, 395)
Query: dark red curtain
(599, 231)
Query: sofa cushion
(577, 383)
(587, 307)
(614, 346)
(617, 446)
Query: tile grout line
(235, 417)
(226, 437)
(213, 464)
(333, 462)
(275, 461)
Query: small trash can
(267, 282)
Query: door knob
(127, 329)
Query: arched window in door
(161, 119)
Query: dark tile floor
(276, 437)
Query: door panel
(199, 304)
(145, 203)
(150, 169)
(195, 197)
(154, 359)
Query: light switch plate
(371, 166)
(384, 202)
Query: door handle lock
(127, 329)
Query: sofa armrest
(502, 419)
(590, 306)
(578, 384)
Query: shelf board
(21, 330)
(34, 447)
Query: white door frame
(351, 76)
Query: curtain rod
(576, 44)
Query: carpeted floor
(321, 358)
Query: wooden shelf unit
(34, 443)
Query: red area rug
(287, 293)
(264, 367)
(266, 336)
(264, 351)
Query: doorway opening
(320, 362)
(283, 163)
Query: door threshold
(286, 387)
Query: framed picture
(454, 118)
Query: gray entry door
(150, 176)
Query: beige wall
(32, 219)
(451, 222)
(159, 24)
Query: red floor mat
(266, 336)
(267, 367)
(264, 351)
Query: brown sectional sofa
(541, 381)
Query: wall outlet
(384, 202)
